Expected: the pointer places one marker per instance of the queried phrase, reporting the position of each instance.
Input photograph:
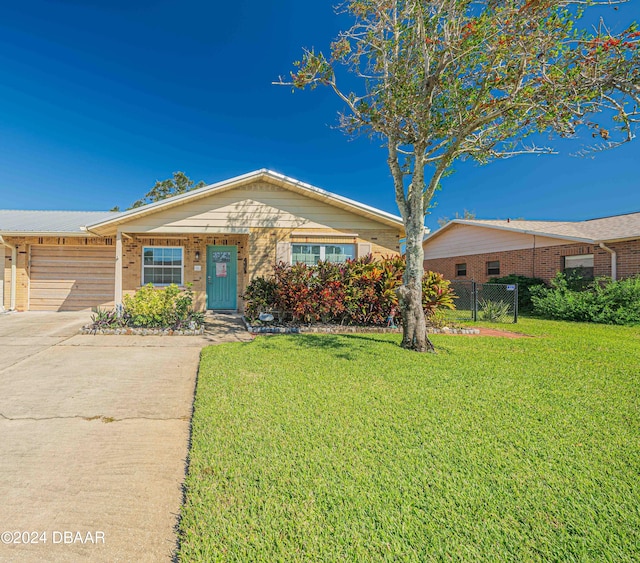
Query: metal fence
(494, 302)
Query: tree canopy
(441, 80)
(179, 184)
(466, 214)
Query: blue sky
(99, 99)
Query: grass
(347, 448)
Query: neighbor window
(162, 265)
(461, 269)
(581, 264)
(493, 268)
(311, 253)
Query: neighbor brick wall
(541, 262)
(628, 257)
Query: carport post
(118, 288)
(14, 258)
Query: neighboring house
(479, 250)
(217, 237)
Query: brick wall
(259, 249)
(132, 261)
(628, 257)
(541, 262)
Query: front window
(581, 264)
(162, 265)
(461, 270)
(311, 254)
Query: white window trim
(181, 284)
(322, 246)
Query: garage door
(71, 278)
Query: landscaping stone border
(339, 329)
(128, 331)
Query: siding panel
(260, 205)
(462, 240)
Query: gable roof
(269, 176)
(19, 222)
(605, 229)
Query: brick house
(217, 238)
(483, 249)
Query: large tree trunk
(414, 326)
(412, 209)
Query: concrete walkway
(93, 438)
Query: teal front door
(222, 277)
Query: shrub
(260, 296)
(361, 291)
(602, 301)
(436, 293)
(370, 296)
(308, 293)
(494, 311)
(105, 318)
(149, 307)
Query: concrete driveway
(93, 438)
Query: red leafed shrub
(436, 293)
(361, 292)
(308, 293)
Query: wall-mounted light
(197, 256)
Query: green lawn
(347, 448)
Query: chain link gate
(494, 302)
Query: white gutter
(614, 260)
(14, 258)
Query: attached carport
(51, 262)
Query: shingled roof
(605, 229)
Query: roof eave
(508, 229)
(622, 239)
(47, 234)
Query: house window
(581, 264)
(310, 254)
(162, 265)
(461, 270)
(493, 268)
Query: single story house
(472, 249)
(217, 238)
